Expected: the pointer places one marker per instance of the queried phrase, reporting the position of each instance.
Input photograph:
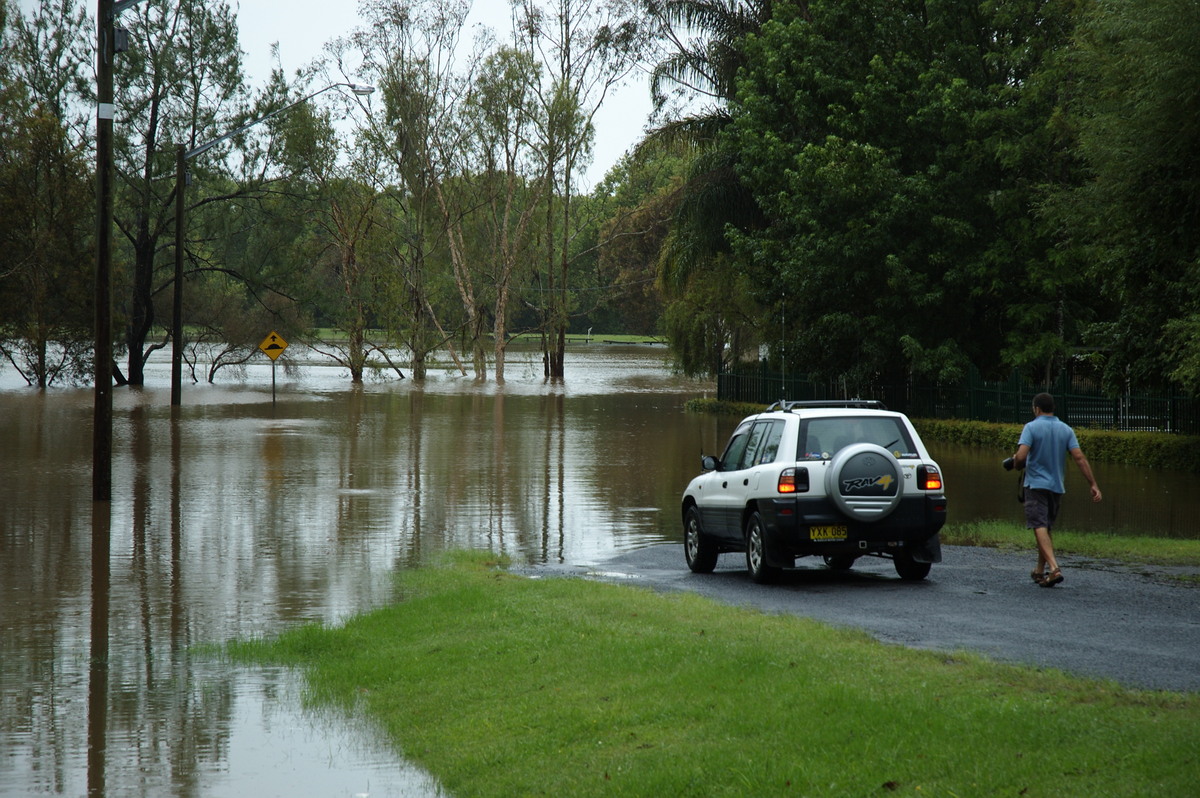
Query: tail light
(793, 480)
(929, 478)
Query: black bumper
(912, 528)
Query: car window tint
(770, 448)
(736, 448)
(750, 456)
(824, 437)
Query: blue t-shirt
(1049, 440)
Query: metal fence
(1079, 402)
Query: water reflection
(234, 517)
(1139, 501)
(97, 708)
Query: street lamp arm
(119, 6)
(354, 87)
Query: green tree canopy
(897, 149)
(1135, 220)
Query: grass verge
(501, 685)
(1121, 548)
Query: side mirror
(710, 463)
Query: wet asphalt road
(1107, 621)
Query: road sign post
(273, 346)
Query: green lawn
(1121, 548)
(501, 685)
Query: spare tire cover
(864, 481)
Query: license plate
(835, 532)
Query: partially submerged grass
(502, 685)
(1121, 548)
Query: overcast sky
(301, 27)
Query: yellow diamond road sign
(273, 345)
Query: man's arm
(1021, 456)
(1085, 468)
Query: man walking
(1041, 451)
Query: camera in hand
(1008, 464)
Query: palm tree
(704, 38)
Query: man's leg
(1040, 511)
(1045, 547)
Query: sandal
(1037, 577)
(1053, 578)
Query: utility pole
(102, 413)
(106, 49)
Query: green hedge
(1148, 449)
(719, 407)
(1002, 437)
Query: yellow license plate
(835, 532)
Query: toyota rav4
(835, 479)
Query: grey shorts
(1041, 508)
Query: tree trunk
(500, 327)
(356, 357)
(141, 314)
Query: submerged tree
(330, 186)
(410, 51)
(511, 185)
(586, 48)
(45, 195)
(179, 83)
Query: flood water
(244, 516)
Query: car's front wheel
(910, 569)
(756, 552)
(700, 552)
(840, 562)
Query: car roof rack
(859, 404)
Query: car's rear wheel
(700, 552)
(840, 562)
(756, 552)
(910, 569)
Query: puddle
(277, 749)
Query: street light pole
(182, 156)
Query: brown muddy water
(244, 516)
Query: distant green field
(574, 338)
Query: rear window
(821, 438)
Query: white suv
(839, 479)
